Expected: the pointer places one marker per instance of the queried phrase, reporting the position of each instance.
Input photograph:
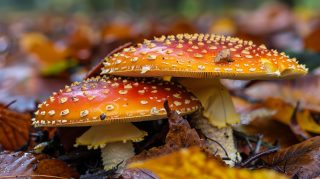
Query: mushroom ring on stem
(109, 105)
(200, 60)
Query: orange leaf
(14, 128)
(312, 40)
(46, 51)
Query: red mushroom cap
(202, 56)
(103, 100)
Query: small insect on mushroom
(110, 114)
(203, 60)
(223, 56)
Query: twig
(250, 138)
(258, 155)
(258, 145)
(295, 127)
(220, 145)
(150, 175)
(11, 103)
(249, 143)
(285, 166)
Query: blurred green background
(163, 8)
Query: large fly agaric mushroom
(109, 105)
(203, 59)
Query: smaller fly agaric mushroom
(109, 105)
(200, 60)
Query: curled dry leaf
(307, 120)
(20, 164)
(14, 128)
(192, 163)
(180, 135)
(301, 160)
(97, 69)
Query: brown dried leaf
(301, 160)
(271, 130)
(192, 163)
(97, 69)
(14, 128)
(311, 42)
(180, 135)
(27, 164)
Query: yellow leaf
(192, 163)
(284, 111)
(46, 51)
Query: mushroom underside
(115, 142)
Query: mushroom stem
(218, 112)
(215, 99)
(116, 154)
(219, 141)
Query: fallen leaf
(81, 41)
(51, 56)
(302, 89)
(97, 69)
(299, 161)
(192, 163)
(250, 111)
(296, 128)
(14, 128)
(306, 119)
(311, 41)
(271, 130)
(117, 31)
(223, 25)
(180, 135)
(25, 165)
